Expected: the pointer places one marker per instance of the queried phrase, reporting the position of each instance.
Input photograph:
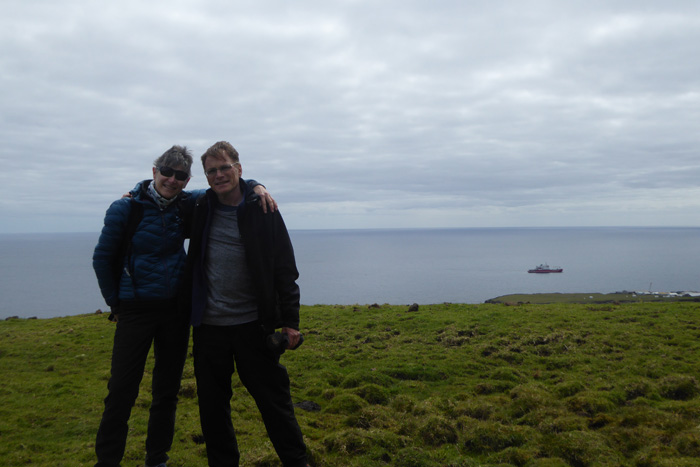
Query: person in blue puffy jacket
(141, 284)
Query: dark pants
(218, 350)
(141, 324)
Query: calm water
(47, 275)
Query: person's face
(170, 186)
(223, 175)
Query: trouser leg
(268, 382)
(132, 341)
(213, 366)
(170, 351)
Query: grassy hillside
(447, 385)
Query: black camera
(279, 341)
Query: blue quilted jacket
(156, 266)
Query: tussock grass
(447, 385)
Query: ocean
(50, 275)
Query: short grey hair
(177, 156)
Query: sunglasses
(169, 172)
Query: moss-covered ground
(447, 385)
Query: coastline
(508, 300)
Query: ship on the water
(544, 269)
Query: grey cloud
(356, 113)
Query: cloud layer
(357, 114)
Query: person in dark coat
(243, 272)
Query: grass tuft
(679, 387)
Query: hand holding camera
(279, 341)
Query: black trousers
(140, 325)
(218, 350)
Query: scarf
(160, 201)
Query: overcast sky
(359, 114)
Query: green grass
(448, 385)
(595, 297)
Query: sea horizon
(48, 274)
(553, 227)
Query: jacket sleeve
(253, 183)
(286, 275)
(108, 248)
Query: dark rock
(413, 307)
(309, 406)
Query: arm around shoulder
(267, 202)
